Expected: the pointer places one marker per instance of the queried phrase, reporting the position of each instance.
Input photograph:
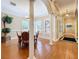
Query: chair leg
(19, 43)
(23, 44)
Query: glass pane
(25, 25)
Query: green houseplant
(5, 30)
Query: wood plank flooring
(11, 50)
(59, 50)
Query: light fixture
(67, 14)
(12, 3)
(52, 0)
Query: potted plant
(5, 30)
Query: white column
(43, 26)
(60, 29)
(76, 30)
(63, 24)
(31, 31)
(52, 29)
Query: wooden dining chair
(19, 38)
(25, 38)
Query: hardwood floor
(59, 50)
(11, 50)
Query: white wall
(16, 26)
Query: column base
(33, 57)
(51, 43)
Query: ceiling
(63, 6)
(41, 7)
(22, 8)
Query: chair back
(19, 36)
(25, 36)
(37, 35)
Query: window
(25, 25)
(47, 26)
(38, 25)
